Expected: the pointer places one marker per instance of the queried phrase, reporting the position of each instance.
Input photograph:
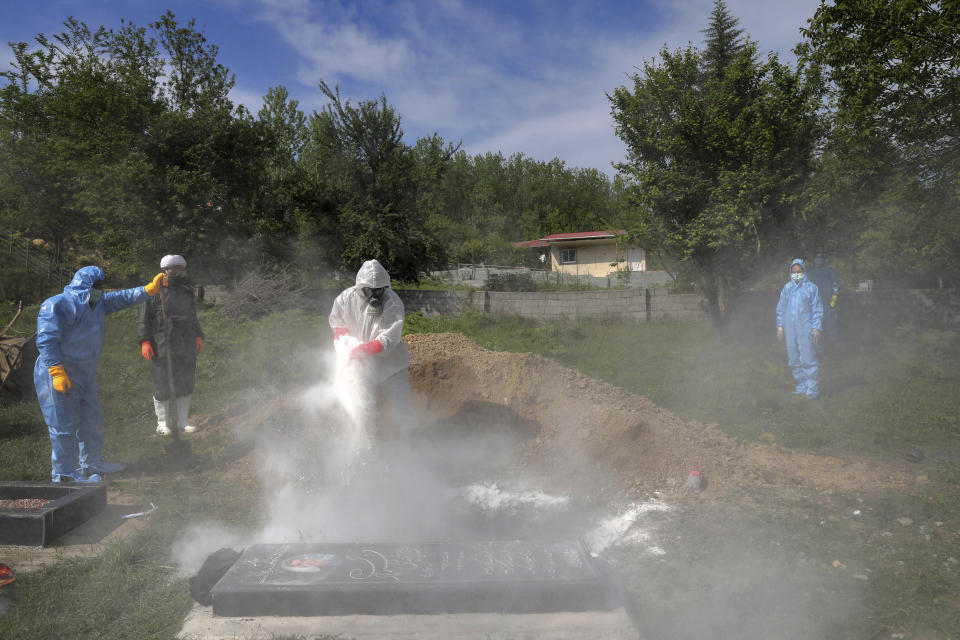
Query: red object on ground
(199, 344)
(694, 481)
(146, 349)
(6, 575)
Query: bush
(263, 292)
(17, 283)
(511, 282)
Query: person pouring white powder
(371, 313)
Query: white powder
(622, 529)
(491, 498)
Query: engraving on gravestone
(329, 579)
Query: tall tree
(723, 38)
(371, 172)
(74, 110)
(718, 153)
(893, 156)
(101, 148)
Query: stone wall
(476, 276)
(755, 310)
(635, 305)
(684, 307)
(622, 303)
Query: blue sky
(524, 76)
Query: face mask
(797, 277)
(176, 277)
(95, 295)
(374, 299)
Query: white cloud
(330, 48)
(531, 80)
(580, 137)
(6, 57)
(775, 26)
(252, 100)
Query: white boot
(161, 410)
(183, 410)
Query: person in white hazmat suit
(368, 319)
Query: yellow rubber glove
(154, 287)
(61, 382)
(833, 301)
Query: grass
(238, 357)
(130, 591)
(886, 390)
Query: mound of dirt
(600, 438)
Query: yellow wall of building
(593, 258)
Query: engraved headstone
(424, 578)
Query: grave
(70, 506)
(319, 579)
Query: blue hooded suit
(799, 312)
(70, 333)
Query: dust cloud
(512, 446)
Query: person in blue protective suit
(827, 280)
(69, 339)
(799, 322)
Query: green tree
(72, 114)
(124, 146)
(889, 192)
(372, 174)
(433, 159)
(722, 38)
(719, 149)
(289, 200)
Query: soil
(24, 503)
(605, 439)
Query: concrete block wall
(634, 305)
(754, 310)
(623, 303)
(476, 277)
(684, 307)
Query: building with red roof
(588, 253)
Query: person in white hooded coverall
(373, 314)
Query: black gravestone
(71, 506)
(425, 578)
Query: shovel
(177, 448)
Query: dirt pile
(597, 437)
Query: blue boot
(105, 467)
(77, 476)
